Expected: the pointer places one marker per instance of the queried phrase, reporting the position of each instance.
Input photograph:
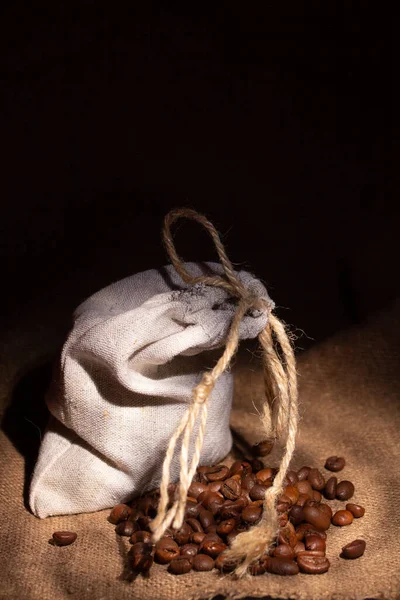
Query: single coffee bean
(147, 505)
(257, 568)
(211, 528)
(335, 463)
(304, 487)
(230, 510)
(303, 498)
(126, 528)
(287, 535)
(280, 566)
(305, 528)
(217, 473)
(196, 488)
(314, 565)
(317, 517)
(257, 492)
(203, 562)
(325, 508)
(263, 448)
(210, 537)
(241, 467)
(265, 475)
(119, 513)
(231, 489)
(312, 553)
(211, 501)
(316, 480)
(342, 518)
(251, 514)
(225, 527)
(249, 481)
(180, 565)
(296, 515)
(189, 550)
(182, 536)
(197, 537)
(292, 477)
(194, 524)
(344, 490)
(302, 473)
(299, 547)
(231, 536)
(144, 522)
(224, 564)
(256, 465)
(140, 536)
(215, 486)
(212, 547)
(64, 538)
(166, 550)
(192, 509)
(292, 493)
(284, 551)
(354, 549)
(330, 488)
(356, 510)
(283, 519)
(314, 542)
(206, 518)
(140, 562)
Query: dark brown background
(273, 122)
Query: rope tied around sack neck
(280, 380)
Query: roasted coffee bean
(231, 536)
(182, 536)
(211, 500)
(251, 514)
(292, 493)
(249, 481)
(316, 517)
(64, 538)
(144, 522)
(356, 510)
(311, 553)
(212, 528)
(195, 524)
(302, 473)
(217, 473)
(196, 488)
(313, 564)
(299, 547)
(192, 509)
(206, 518)
(119, 513)
(147, 505)
(342, 518)
(212, 547)
(197, 537)
(225, 527)
(241, 467)
(284, 551)
(315, 479)
(330, 488)
(287, 535)
(266, 475)
(335, 463)
(215, 486)
(166, 549)
(140, 562)
(257, 492)
(283, 507)
(189, 550)
(280, 566)
(180, 565)
(304, 487)
(257, 568)
(302, 499)
(203, 562)
(292, 477)
(140, 536)
(325, 508)
(126, 528)
(263, 448)
(354, 549)
(230, 510)
(344, 490)
(231, 489)
(314, 542)
(305, 528)
(296, 515)
(224, 564)
(256, 465)
(283, 519)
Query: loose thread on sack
(280, 379)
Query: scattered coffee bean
(265, 475)
(317, 517)
(280, 566)
(203, 562)
(180, 565)
(196, 488)
(296, 515)
(257, 492)
(314, 542)
(189, 550)
(64, 538)
(119, 513)
(263, 448)
(166, 549)
(182, 536)
(231, 489)
(302, 473)
(344, 490)
(241, 467)
(342, 518)
(284, 551)
(330, 488)
(314, 565)
(256, 464)
(225, 565)
(356, 510)
(335, 463)
(126, 528)
(354, 549)
(292, 493)
(251, 514)
(304, 487)
(315, 479)
(226, 526)
(197, 537)
(140, 536)
(217, 473)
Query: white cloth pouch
(127, 370)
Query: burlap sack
(136, 350)
(349, 393)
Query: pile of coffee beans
(225, 501)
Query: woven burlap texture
(349, 394)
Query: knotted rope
(280, 380)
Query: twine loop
(280, 385)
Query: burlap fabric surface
(349, 405)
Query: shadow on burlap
(349, 393)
